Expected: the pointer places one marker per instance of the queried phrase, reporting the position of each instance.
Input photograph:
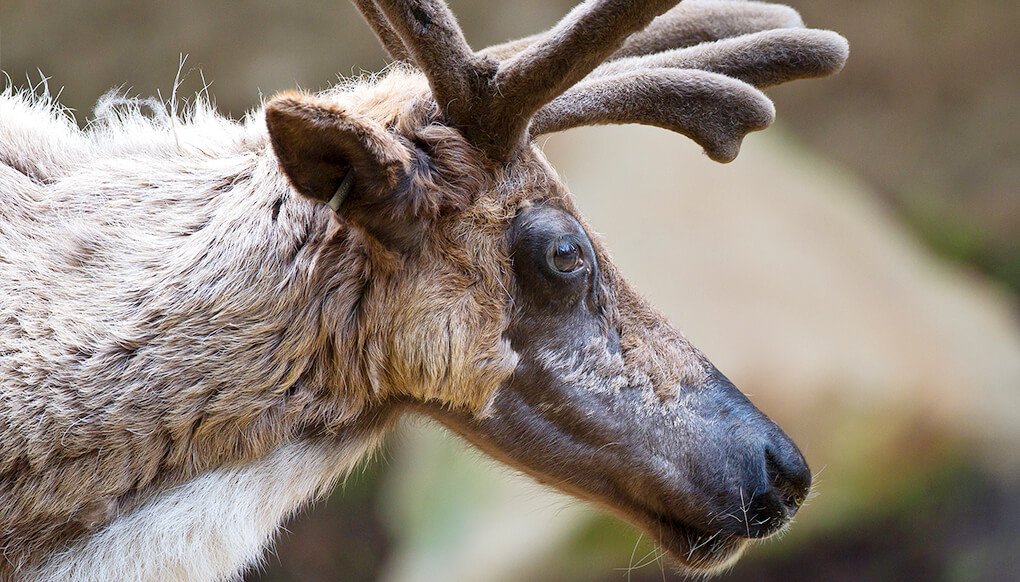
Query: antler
(763, 59)
(492, 101)
(689, 23)
(676, 89)
(377, 20)
(714, 110)
(691, 70)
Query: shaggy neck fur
(173, 313)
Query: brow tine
(763, 59)
(387, 36)
(714, 110)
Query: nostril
(789, 476)
(771, 507)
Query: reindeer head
(488, 303)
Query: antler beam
(579, 43)
(493, 102)
(434, 41)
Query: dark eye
(565, 256)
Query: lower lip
(696, 550)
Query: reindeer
(205, 323)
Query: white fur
(182, 536)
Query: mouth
(700, 492)
(695, 550)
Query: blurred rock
(461, 516)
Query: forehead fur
(656, 355)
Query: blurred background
(855, 271)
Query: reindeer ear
(346, 160)
(320, 147)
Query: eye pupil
(566, 256)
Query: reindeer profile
(205, 323)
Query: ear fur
(318, 142)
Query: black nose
(773, 478)
(788, 480)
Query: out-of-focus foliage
(898, 375)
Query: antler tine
(689, 23)
(580, 42)
(433, 39)
(714, 110)
(699, 21)
(387, 36)
(683, 89)
(762, 59)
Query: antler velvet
(714, 110)
(385, 33)
(579, 43)
(493, 101)
(687, 24)
(693, 70)
(434, 41)
(762, 59)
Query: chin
(697, 552)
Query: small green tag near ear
(342, 191)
